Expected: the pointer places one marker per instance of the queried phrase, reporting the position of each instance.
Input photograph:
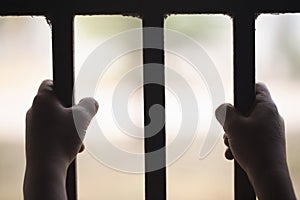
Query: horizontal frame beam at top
(137, 7)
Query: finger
(46, 96)
(228, 154)
(220, 113)
(81, 148)
(262, 93)
(88, 105)
(83, 113)
(226, 142)
(45, 87)
(228, 117)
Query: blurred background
(25, 61)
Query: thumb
(83, 113)
(220, 113)
(88, 105)
(228, 117)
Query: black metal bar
(63, 76)
(90, 7)
(244, 86)
(155, 181)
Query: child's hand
(51, 134)
(257, 143)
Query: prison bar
(244, 86)
(155, 180)
(63, 76)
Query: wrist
(267, 168)
(48, 166)
(45, 180)
(273, 183)
(44, 160)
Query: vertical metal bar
(63, 76)
(244, 87)
(155, 181)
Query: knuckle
(40, 101)
(37, 100)
(28, 114)
(274, 110)
(272, 106)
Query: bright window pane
(212, 176)
(102, 38)
(278, 61)
(25, 60)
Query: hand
(54, 137)
(257, 140)
(51, 134)
(257, 143)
